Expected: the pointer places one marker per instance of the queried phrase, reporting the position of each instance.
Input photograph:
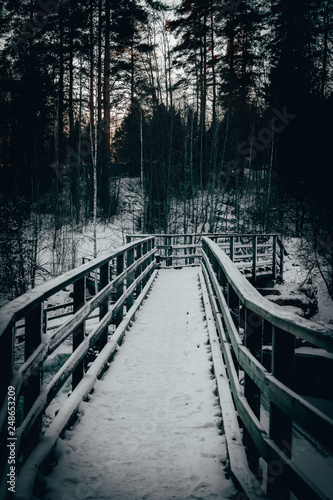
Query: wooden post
(144, 264)
(128, 239)
(254, 259)
(234, 305)
(104, 307)
(231, 248)
(267, 333)
(186, 249)
(32, 385)
(78, 334)
(280, 424)
(45, 320)
(191, 250)
(151, 246)
(138, 269)
(120, 288)
(253, 341)
(281, 261)
(274, 257)
(152, 258)
(169, 243)
(204, 250)
(130, 277)
(6, 373)
(6, 360)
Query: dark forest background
(213, 103)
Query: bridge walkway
(152, 427)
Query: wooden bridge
(253, 344)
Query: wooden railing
(117, 284)
(243, 319)
(124, 275)
(254, 254)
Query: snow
(297, 272)
(151, 429)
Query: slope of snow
(151, 429)
(297, 273)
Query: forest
(215, 106)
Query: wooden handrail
(18, 308)
(274, 314)
(138, 264)
(132, 266)
(252, 246)
(241, 315)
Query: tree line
(209, 102)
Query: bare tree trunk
(78, 165)
(220, 177)
(143, 197)
(107, 113)
(213, 66)
(61, 88)
(326, 28)
(99, 124)
(91, 72)
(93, 145)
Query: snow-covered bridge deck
(258, 403)
(152, 427)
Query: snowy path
(151, 428)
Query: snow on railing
(243, 317)
(254, 254)
(122, 277)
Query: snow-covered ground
(151, 429)
(298, 279)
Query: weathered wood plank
(78, 333)
(104, 305)
(279, 317)
(32, 383)
(71, 364)
(236, 451)
(130, 277)
(290, 406)
(317, 423)
(29, 470)
(18, 308)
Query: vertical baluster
(130, 277)
(234, 305)
(192, 250)
(274, 258)
(254, 257)
(253, 341)
(280, 424)
(6, 360)
(6, 372)
(152, 258)
(104, 307)
(231, 248)
(138, 269)
(186, 249)
(78, 334)
(120, 288)
(204, 250)
(32, 385)
(169, 243)
(144, 264)
(281, 261)
(266, 359)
